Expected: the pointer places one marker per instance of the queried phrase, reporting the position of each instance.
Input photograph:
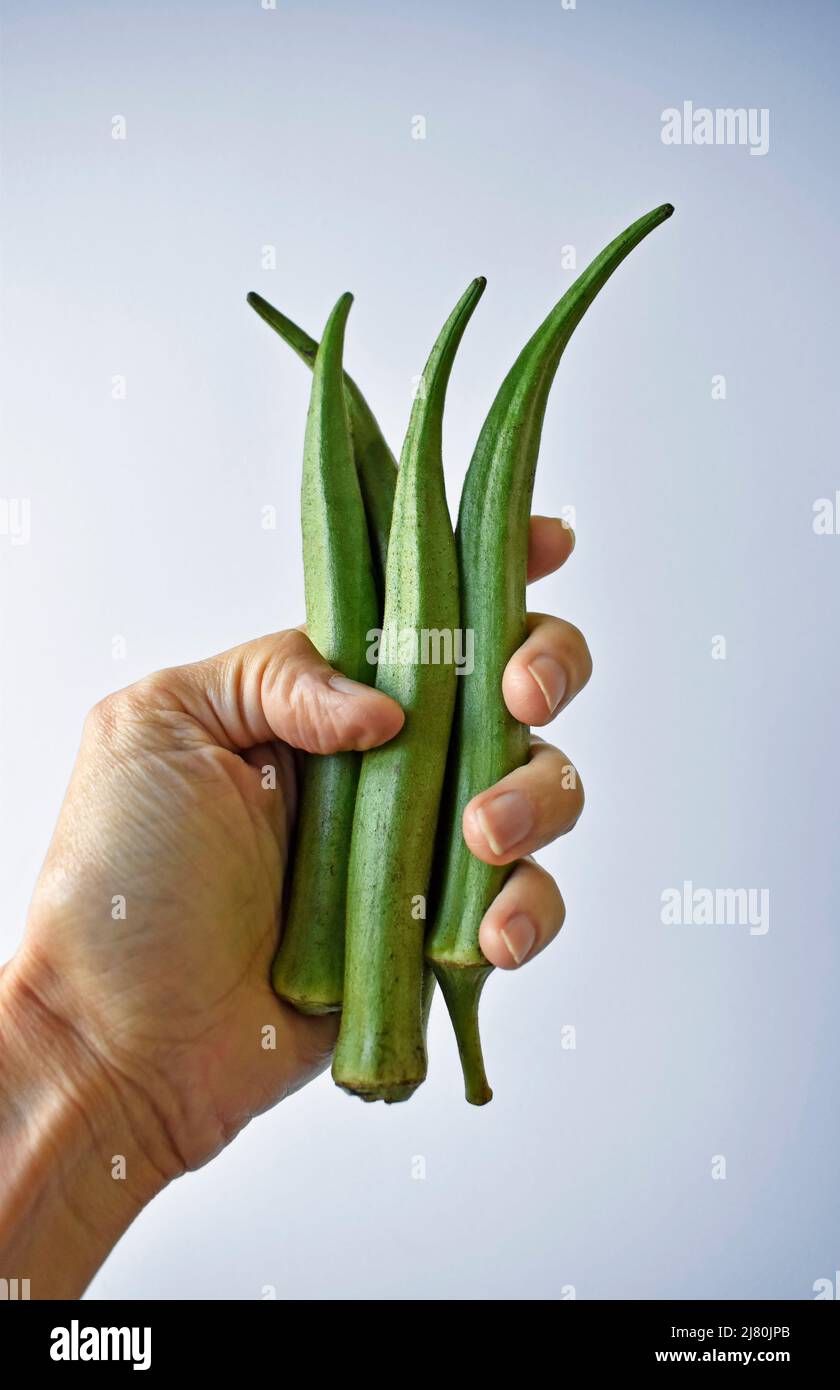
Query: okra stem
(461, 988)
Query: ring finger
(527, 809)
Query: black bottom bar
(92, 1337)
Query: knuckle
(560, 908)
(150, 690)
(578, 801)
(586, 659)
(291, 644)
(103, 719)
(536, 871)
(555, 905)
(288, 656)
(576, 646)
(572, 795)
(108, 718)
(538, 885)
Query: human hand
(142, 985)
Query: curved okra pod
(381, 1052)
(375, 463)
(487, 743)
(341, 610)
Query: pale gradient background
(694, 517)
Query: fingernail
(551, 678)
(505, 820)
(567, 527)
(348, 687)
(519, 935)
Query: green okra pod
(381, 1052)
(487, 743)
(375, 463)
(342, 608)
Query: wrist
(78, 1153)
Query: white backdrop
(290, 128)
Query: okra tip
(263, 308)
(338, 316)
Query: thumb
(280, 687)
